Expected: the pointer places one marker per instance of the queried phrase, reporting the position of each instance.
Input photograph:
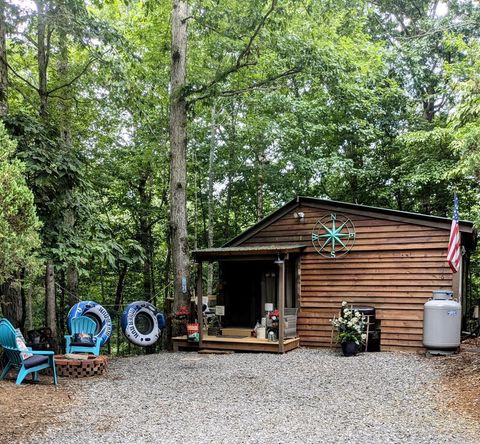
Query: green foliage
(374, 103)
(19, 225)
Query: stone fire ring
(80, 368)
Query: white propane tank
(442, 321)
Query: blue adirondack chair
(82, 324)
(17, 359)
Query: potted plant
(179, 322)
(350, 330)
(214, 326)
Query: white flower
(344, 304)
(364, 336)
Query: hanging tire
(96, 313)
(142, 323)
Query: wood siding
(394, 265)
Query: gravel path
(305, 396)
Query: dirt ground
(461, 380)
(28, 408)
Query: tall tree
(178, 160)
(3, 63)
(43, 50)
(19, 226)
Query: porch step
(236, 331)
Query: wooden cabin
(312, 254)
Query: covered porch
(249, 280)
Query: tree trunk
(260, 186)
(61, 309)
(151, 244)
(42, 61)
(23, 298)
(11, 301)
(120, 286)
(230, 168)
(71, 277)
(3, 64)
(42, 58)
(178, 146)
(167, 300)
(122, 274)
(71, 285)
(144, 235)
(211, 159)
(28, 309)
(50, 308)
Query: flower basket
(350, 330)
(180, 320)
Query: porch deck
(235, 343)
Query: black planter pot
(349, 348)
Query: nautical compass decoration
(333, 235)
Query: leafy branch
(239, 62)
(254, 86)
(74, 79)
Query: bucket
(261, 332)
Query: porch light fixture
(300, 216)
(278, 261)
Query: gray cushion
(35, 360)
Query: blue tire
(142, 323)
(97, 313)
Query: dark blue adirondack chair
(79, 325)
(17, 359)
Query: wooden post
(281, 306)
(200, 301)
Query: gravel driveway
(305, 396)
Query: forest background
(121, 150)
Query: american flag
(453, 255)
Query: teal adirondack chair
(16, 359)
(82, 324)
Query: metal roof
(227, 252)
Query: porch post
(281, 306)
(200, 301)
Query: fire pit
(80, 366)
